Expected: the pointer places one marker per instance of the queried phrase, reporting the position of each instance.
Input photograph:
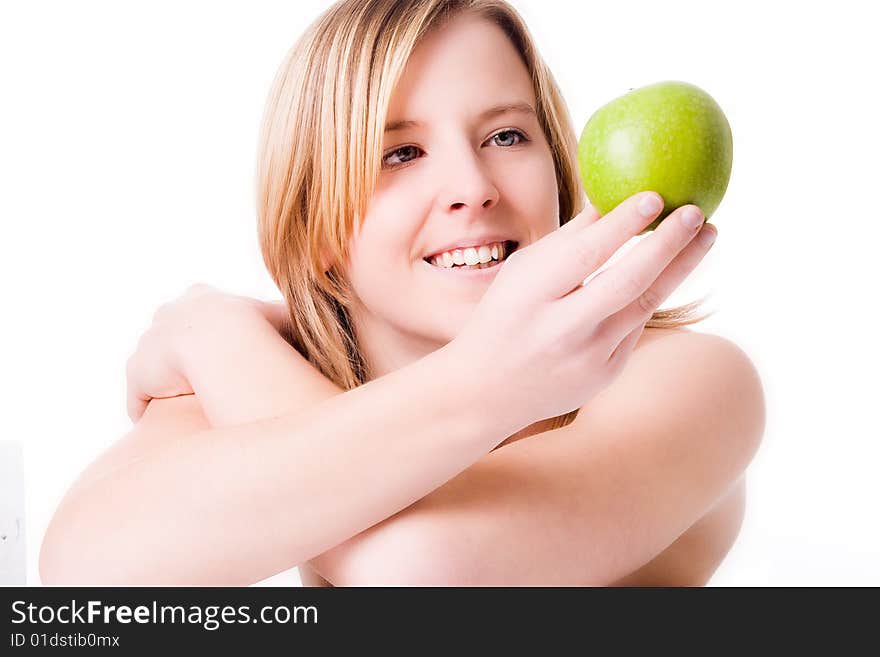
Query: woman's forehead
(469, 62)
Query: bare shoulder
(681, 386)
(709, 369)
(704, 380)
(677, 338)
(726, 400)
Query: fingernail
(650, 205)
(692, 218)
(708, 234)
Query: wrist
(479, 391)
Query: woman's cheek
(531, 188)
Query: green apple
(671, 138)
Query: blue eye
(517, 133)
(396, 152)
(518, 136)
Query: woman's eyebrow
(518, 107)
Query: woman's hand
(202, 318)
(547, 342)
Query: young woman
(354, 430)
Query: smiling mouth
(510, 247)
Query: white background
(127, 142)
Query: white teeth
(479, 257)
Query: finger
(136, 407)
(586, 217)
(628, 280)
(641, 310)
(622, 351)
(576, 251)
(135, 400)
(131, 405)
(591, 214)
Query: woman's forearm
(237, 504)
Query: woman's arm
(524, 492)
(526, 502)
(587, 504)
(492, 492)
(237, 504)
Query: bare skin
(690, 560)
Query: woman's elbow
(63, 560)
(59, 564)
(75, 551)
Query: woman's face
(452, 176)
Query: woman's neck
(386, 348)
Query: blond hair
(320, 155)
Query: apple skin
(670, 137)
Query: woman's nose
(468, 184)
